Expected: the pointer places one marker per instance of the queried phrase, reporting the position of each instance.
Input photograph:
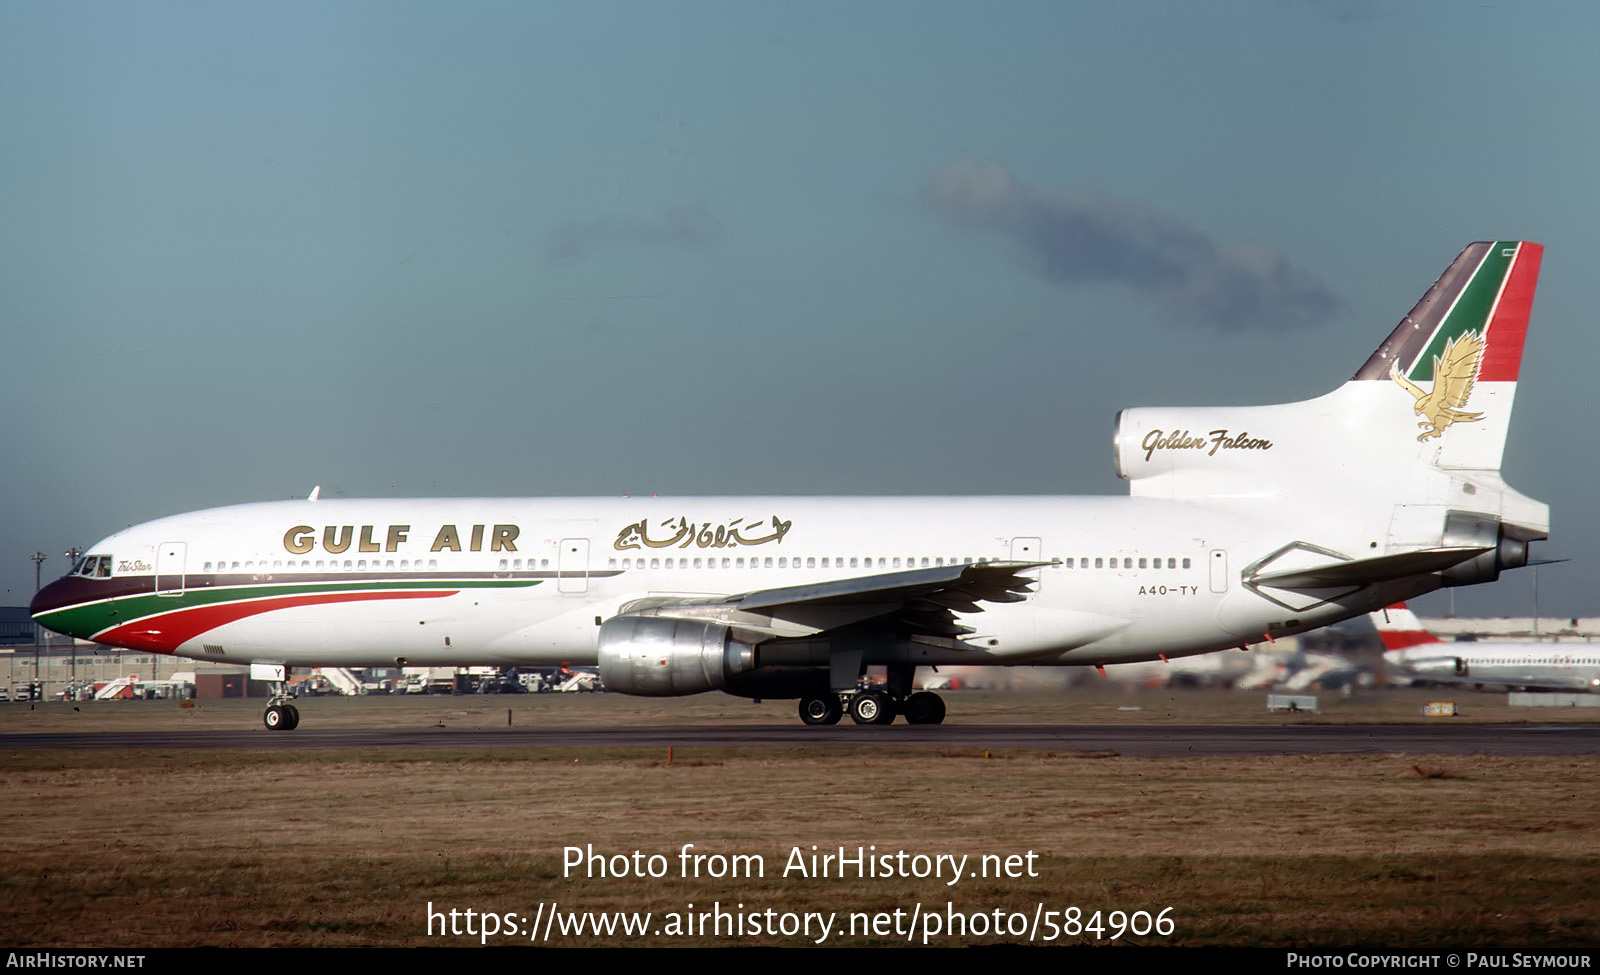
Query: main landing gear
(872, 706)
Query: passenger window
(1185, 563)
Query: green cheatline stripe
(1471, 312)
(95, 617)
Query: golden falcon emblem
(1455, 371)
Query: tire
(871, 707)
(276, 719)
(294, 717)
(924, 707)
(821, 709)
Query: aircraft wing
(919, 601)
(925, 600)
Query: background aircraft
(1411, 649)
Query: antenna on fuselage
(314, 493)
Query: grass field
(150, 849)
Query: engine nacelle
(1467, 528)
(1225, 442)
(658, 656)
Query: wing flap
(916, 601)
(946, 586)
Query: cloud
(572, 242)
(1070, 239)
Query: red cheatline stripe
(165, 633)
(1402, 639)
(1509, 327)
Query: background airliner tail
(1399, 628)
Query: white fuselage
(1128, 579)
(1543, 665)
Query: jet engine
(1466, 528)
(658, 656)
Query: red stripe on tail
(1509, 327)
(1404, 639)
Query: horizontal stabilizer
(1365, 572)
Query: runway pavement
(1150, 741)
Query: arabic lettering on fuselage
(683, 533)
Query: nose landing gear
(281, 715)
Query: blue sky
(547, 249)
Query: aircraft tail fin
(1399, 628)
(1458, 353)
(1436, 394)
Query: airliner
(1240, 524)
(1411, 649)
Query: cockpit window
(94, 567)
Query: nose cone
(51, 605)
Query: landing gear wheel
(821, 709)
(871, 707)
(281, 715)
(924, 707)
